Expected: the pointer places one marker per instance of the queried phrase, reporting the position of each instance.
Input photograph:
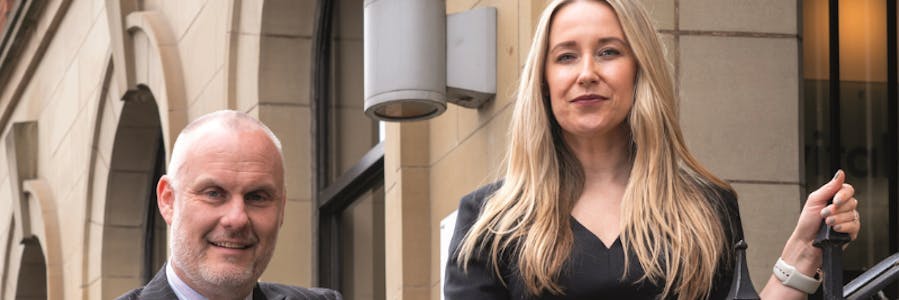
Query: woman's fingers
(843, 216)
(846, 192)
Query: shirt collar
(182, 290)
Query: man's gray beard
(188, 261)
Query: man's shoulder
(131, 295)
(295, 292)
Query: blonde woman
(600, 198)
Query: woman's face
(590, 70)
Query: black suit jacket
(159, 288)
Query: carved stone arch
(145, 53)
(145, 105)
(46, 237)
(34, 260)
(33, 252)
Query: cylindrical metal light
(405, 59)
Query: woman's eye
(609, 52)
(566, 57)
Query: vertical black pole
(830, 241)
(329, 259)
(892, 127)
(834, 83)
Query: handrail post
(741, 286)
(831, 244)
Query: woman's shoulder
(475, 200)
(723, 197)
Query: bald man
(224, 199)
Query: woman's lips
(588, 98)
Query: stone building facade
(93, 94)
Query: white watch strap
(788, 275)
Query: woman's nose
(588, 75)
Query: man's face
(227, 209)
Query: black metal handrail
(862, 287)
(874, 280)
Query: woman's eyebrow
(566, 44)
(611, 39)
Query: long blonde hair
(670, 220)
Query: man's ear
(283, 208)
(165, 198)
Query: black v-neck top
(593, 271)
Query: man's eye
(213, 194)
(256, 197)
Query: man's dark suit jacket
(159, 288)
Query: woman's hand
(842, 214)
(799, 251)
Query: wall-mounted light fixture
(417, 58)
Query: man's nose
(235, 217)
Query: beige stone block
(740, 124)
(416, 253)
(391, 155)
(288, 17)
(211, 99)
(407, 258)
(246, 72)
(249, 17)
(349, 19)
(202, 47)
(462, 171)
(444, 135)
(670, 50)
(292, 126)
(292, 262)
(93, 59)
(72, 284)
(414, 148)
(393, 224)
(94, 250)
(661, 12)
(356, 135)
(98, 192)
(181, 15)
(76, 146)
(497, 142)
(415, 292)
(60, 113)
(94, 290)
(772, 16)
(97, 8)
(457, 6)
(73, 29)
(284, 71)
(6, 208)
(769, 213)
(120, 246)
(106, 134)
(143, 58)
(70, 215)
(348, 73)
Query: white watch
(788, 276)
